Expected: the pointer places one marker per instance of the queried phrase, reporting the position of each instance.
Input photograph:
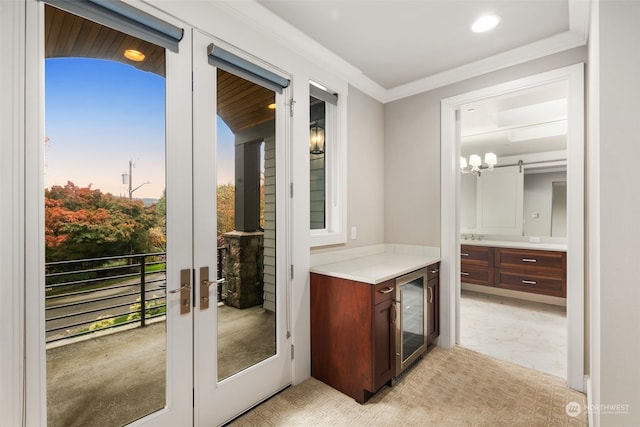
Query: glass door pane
(245, 223)
(105, 236)
(412, 316)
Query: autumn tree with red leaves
(84, 223)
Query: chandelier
(475, 163)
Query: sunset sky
(100, 114)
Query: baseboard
(589, 389)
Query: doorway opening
(451, 238)
(514, 312)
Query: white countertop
(560, 247)
(375, 268)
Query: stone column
(243, 269)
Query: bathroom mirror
(523, 194)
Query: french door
(241, 123)
(221, 340)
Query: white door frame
(450, 216)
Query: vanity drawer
(479, 255)
(384, 291)
(540, 283)
(476, 275)
(530, 259)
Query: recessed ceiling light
(485, 23)
(134, 55)
(271, 106)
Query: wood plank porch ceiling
(241, 104)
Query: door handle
(185, 291)
(204, 287)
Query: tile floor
(526, 333)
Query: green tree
(84, 223)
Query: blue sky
(98, 115)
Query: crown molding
(575, 37)
(287, 35)
(539, 49)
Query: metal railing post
(143, 293)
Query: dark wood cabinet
(352, 334)
(526, 270)
(541, 272)
(433, 303)
(383, 342)
(476, 265)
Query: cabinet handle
(528, 260)
(464, 273)
(386, 291)
(433, 271)
(529, 282)
(393, 313)
(430, 295)
(463, 254)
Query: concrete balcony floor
(115, 378)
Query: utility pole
(128, 178)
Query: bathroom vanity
(518, 266)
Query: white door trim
(12, 116)
(450, 221)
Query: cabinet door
(384, 315)
(433, 310)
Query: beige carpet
(455, 387)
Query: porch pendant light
(316, 143)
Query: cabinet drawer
(433, 271)
(547, 284)
(479, 255)
(530, 259)
(476, 275)
(384, 291)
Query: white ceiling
(395, 48)
(525, 122)
(397, 42)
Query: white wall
(365, 167)
(559, 209)
(468, 184)
(538, 198)
(412, 151)
(616, 292)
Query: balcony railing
(87, 295)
